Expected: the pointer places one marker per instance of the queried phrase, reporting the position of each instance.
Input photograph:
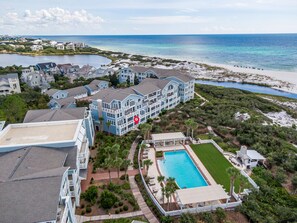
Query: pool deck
(154, 171)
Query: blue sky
(55, 17)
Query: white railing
(251, 181)
(231, 205)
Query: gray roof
(64, 102)
(45, 115)
(76, 91)
(164, 73)
(146, 87)
(30, 182)
(51, 92)
(109, 94)
(160, 83)
(94, 85)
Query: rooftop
(168, 136)
(45, 115)
(39, 133)
(202, 194)
(253, 154)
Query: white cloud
(54, 18)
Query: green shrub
(121, 203)
(117, 211)
(126, 186)
(107, 199)
(88, 209)
(125, 208)
(159, 154)
(82, 212)
(82, 206)
(90, 194)
(116, 204)
(123, 177)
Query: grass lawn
(215, 163)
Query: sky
(128, 17)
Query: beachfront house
(70, 46)
(249, 158)
(50, 68)
(186, 82)
(36, 47)
(126, 108)
(9, 84)
(60, 46)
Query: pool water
(178, 164)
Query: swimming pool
(178, 164)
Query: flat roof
(202, 194)
(39, 133)
(253, 154)
(168, 136)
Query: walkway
(144, 208)
(132, 151)
(81, 218)
(204, 99)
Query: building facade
(9, 84)
(122, 110)
(186, 82)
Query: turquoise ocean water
(266, 51)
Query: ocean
(265, 51)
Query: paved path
(81, 219)
(132, 151)
(144, 208)
(204, 99)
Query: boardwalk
(144, 208)
(132, 151)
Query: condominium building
(124, 109)
(186, 82)
(49, 115)
(9, 84)
(58, 135)
(35, 185)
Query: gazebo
(168, 139)
(201, 196)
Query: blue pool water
(179, 165)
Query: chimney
(243, 150)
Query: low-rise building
(37, 42)
(60, 46)
(70, 46)
(249, 158)
(96, 85)
(125, 109)
(49, 68)
(9, 84)
(36, 47)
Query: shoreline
(280, 80)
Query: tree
(91, 194)
(126, 163)
(107, 199)
(193, 125)
(114, 80)
(187, 218)
(118, 162)
(145, 129)
(101, 119)
(14, 108)
(188, 125)
(242, 182)
(108, 124)
(147, 163)
(294, 182)
(220, 214)
(160, 181)
(171, 188)
(128, 81)
(108, 164)
(136, 81)
(233, 174)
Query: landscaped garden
(103, 197)
(215, 163)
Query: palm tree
(147, 163)
(101, 119)
(108, 164)
(193, 125)
(126, 163)
(233, 174)
(172, 187)
(118, 162)
(115, 151)
(108, 124)
(160, 181)
(188, 125)
(167, 192)
(145, 130)
(242, 183)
